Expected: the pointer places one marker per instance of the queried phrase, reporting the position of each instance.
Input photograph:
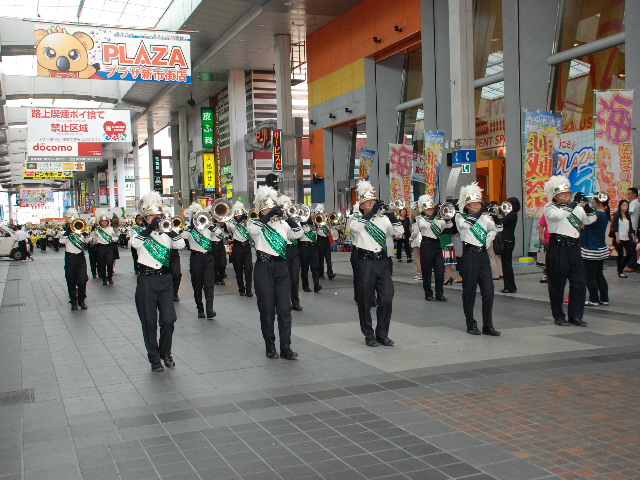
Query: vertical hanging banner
(613, 146)
(77, 51)
(366, 162)
(400, 170)
(157, 170)
(433, 147)
(276, 148)
(208, 127)
(541, 131)
(576, 160)
(209, 172)
(419, 173)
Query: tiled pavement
(540, 402)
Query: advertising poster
(576, 160)
(400, 170)
(366, 162)
(78, 51)
(55, 166)
(35, 197)
(613, 146)
(433, 146)
(64, 150)
(69, 125)
(541, 132)
(419, 173)
(59, 175)
(209, 172)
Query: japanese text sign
(208, 130)
(276, 146)
(157, 170)
(433, 147)
(209, 172)
(68, 125)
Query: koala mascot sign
(61, 54)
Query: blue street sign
(463, 156)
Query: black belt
(69, 253)
(305, 244)
(369, 255)
(430, 240)
(146, 270)
(195, 253)
(562, 239)
(468, 247)
(244, 244)
(265, 257)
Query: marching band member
(241, 251)
(431, 256)
(56, 238)
(272, 283)
(202, 262)
(473, 226)
(134, 230)
(103, 237)
(324, 234)
(93, 249)
(293, 262)
(353, 256)
(154, 284)
(219, 252)
(308, 247)
(565, 218)
(176, 269)
(75, 263)
(372, 273)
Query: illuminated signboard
(157, 170)
(208, 129)
(276, 146)
(209, 172)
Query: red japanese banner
(400, 170)
(541, 131)
(614, 148)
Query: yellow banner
(209, 172)
(47, 175)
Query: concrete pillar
(289, 178)
(632, 71)
(136, 173)
(122, 196)
(183, 161)
(237, 131)
(11, 208)
(111, 163)
(150, 138)
(96, 190)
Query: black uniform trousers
(22, 246)
(242, 265)
(105, 260)
(153, 296)
(176, 270)
(565, 262)
(597, 285)
(324, 254)
(273, 293)
(220, 260)
(507, 266)
(43, 243)
(75, 273)
(293, 265)
(403, 243)
(202, 270)
(134, 254)
(476, 271)
(56, 243)
(431, 258)
(309, 259)
(93, 260)
(373, 280)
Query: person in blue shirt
(594, 252)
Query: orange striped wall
(316, 151)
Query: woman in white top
(623, 237)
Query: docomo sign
(62, 125)
(64, 149)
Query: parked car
(7, 246)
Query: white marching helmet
(72, 213)
(101, 214)
(284, 200)
(425, 201)
(319, 208)
(556, 185)
(356, 208)
(365, 191)
(469, 194)
(238, 208)
(266, 197)
(151, 204)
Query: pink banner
(400, 170)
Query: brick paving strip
(586, 426)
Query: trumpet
(447, 211)
(78, 225)
(396, 205)
(165, 225)
(202, 220)
(178, 223)
(334, 218)
(254, 214)
(221, 210)
(505, 207)
(602, 197)
(320, 219)
(304, 212)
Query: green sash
(107, 238)
(478, 230)
(325, 230)
(243, 230)
(200, 239)
(275, 240)
(437, 231)
(294, 241)
(157, 250)
(77, 241)
(137, 229)
(311, 236)
(377, 234)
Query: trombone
(79, 225)
(166, 225)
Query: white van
(7, 247)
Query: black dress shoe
(332, 276)
(94, 276)
(110, 281)
(168, 362)
(386, 341)
(507, 291)
(201, 314)
(82, 305)
(473, 331)
(176, 298)
(429, 298)
(222, 282)
(441, 298)
(288, 354)
(297, 308)
(104, 281)
(249, 293)
(271, 352)
(157, 367)
(490, 331)
(306, 289)
(74, 306)
(561, 323)
(578, 322)
(371, 342)
(243, 293)
(216, 283)
(317, 288)
(211, 314)
(409, 260)
(321, 276)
